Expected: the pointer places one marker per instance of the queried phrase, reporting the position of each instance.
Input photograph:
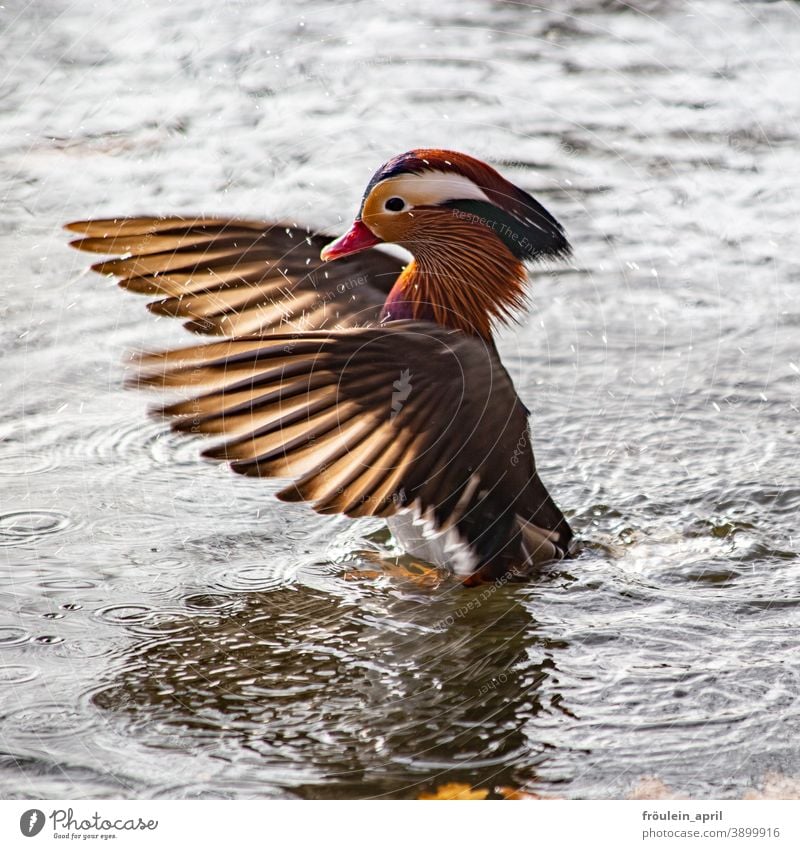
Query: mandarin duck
(374, 384)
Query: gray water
(167, 629)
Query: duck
(371, 382)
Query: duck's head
(470, 231)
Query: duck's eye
(395, 204)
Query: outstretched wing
(233, 277)
(368, 422)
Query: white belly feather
(418, 537)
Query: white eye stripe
(433, 187)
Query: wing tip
(220, 452)
(290, 494)
(106, 267)
(141, 381)
(94, 226)
(77, 227)
(202, 325)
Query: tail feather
(541, 520)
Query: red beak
(357, 238)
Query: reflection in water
(418, 690)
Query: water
(167, 629)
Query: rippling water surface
(167, 629)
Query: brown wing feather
(232, 277)
(324, 408)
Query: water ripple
(26, 526)
(67, 584)
(44, 722)
(33, 463)
(12, 636)
(17, 674)
(88, 647)
(126, 527)
(252, 578)
(123, 614)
